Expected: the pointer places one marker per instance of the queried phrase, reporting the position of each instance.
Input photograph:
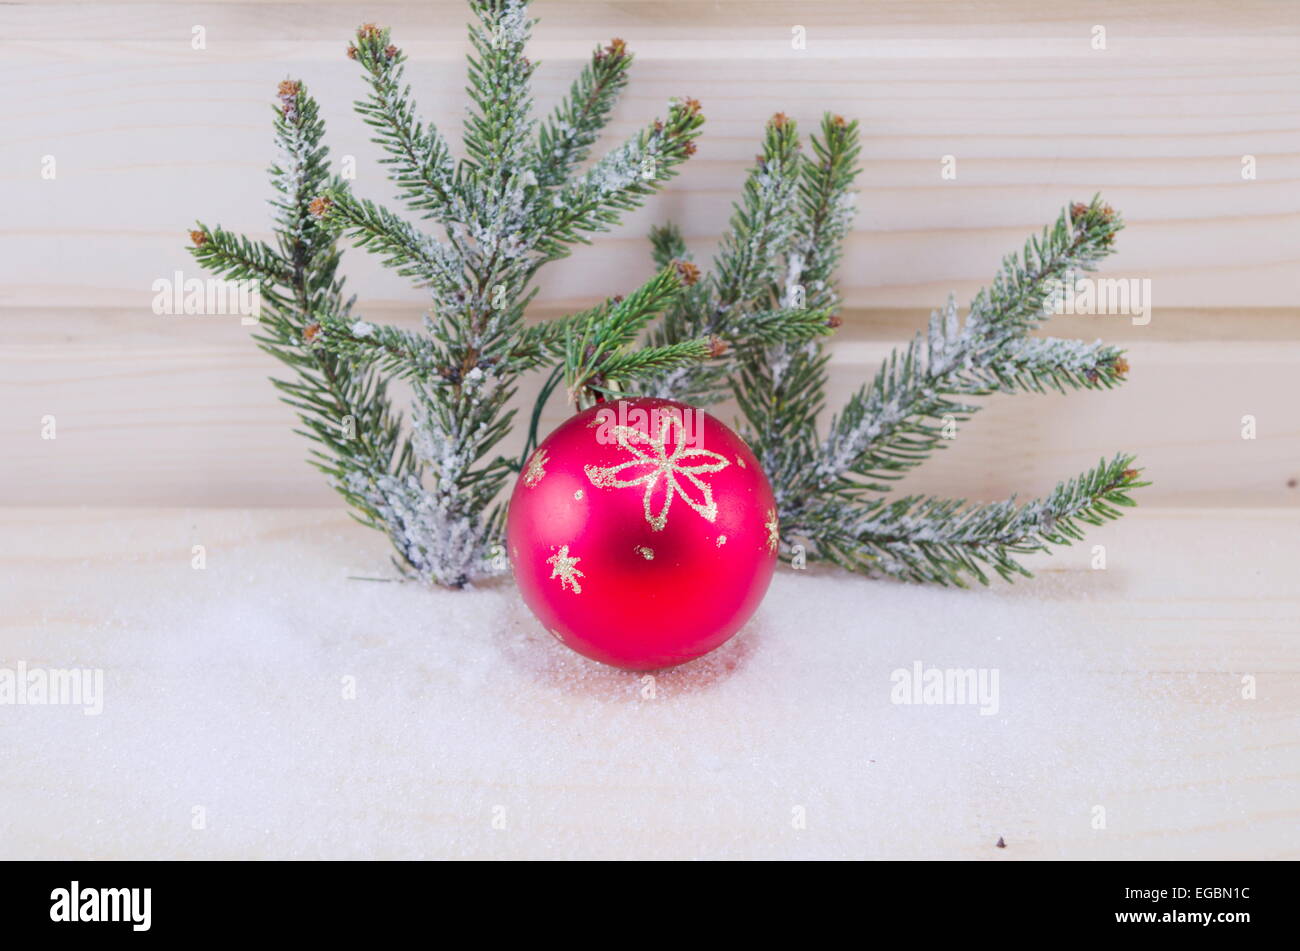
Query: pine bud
(717, 347)
(838, 122)
(368, 31)
(311, 332)
(352, 51)
(617, 49)
(391, 51)
(1129, 474)
(779, 120)
(1108, 213)
(200, 238)
(288, 93)
(834, 321)
(1121, 366)
(319, 207)
(687, 271)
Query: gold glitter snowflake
(565, 568)
(536, 468)
(773, 530)
(652, 466)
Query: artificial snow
(270, 705)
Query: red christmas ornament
(643, 533)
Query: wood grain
(149, 134)
(178, 411)
(168, 433)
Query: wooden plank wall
(148, 134)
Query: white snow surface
(473, 733)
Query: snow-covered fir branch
(742, 300)
(751, 327)
(509, 205)
(344, 407)
(947, 541)
(772, 294)
(565, 139)
(892, 423)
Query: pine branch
(892, 424)
(597, 349)
(619, 324)
(498, 127)
(742, 302)
(620, 181)
(566, 137)
(235, 257)
(419, 160)
(396, 352)
(381, 232)
(344, 409)
(634, 365)
(762, 225)
(448, 521)
(503, 211)
(1039, 364)
(773, 293)
(825, 211)
(924, 539)
(781, 394)
(667, 245)
(545, 343)
(781, 387)
(788, 325)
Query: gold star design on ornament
(773, 530)
(536, 468)
(652, 466)
(565, 568)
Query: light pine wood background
(149, 134)
(167, 428)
